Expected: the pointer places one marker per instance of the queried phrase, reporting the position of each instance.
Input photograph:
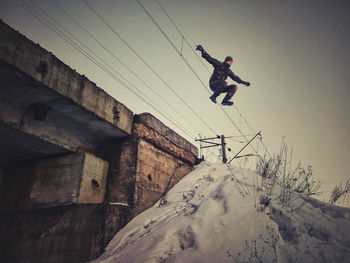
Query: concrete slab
(16, 146)
(59, 181)
(65, 124)
(49, 72)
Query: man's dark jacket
(221, 70)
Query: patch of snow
(217, 213)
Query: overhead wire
(184, 38)
(173, 45)
(124, 64)
(52, 27)
(86, 47)
(252, 130)
(182, 35)
(180, 53)
(147, 65)
(191, 69)
(157, 108)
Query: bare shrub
(277, 170)
(301, 181)
(339, 191)
(268, 169)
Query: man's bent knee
(232, 88)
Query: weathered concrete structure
(75, 164)
(63, 180)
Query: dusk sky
(295, 54)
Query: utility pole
(223, 149)
(209, 143)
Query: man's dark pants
(220, 86)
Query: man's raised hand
(200, 48)
(246, 83)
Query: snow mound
(218, 213)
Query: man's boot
(216, 93)
(226, 101)
(213, 98)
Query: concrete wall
(69, 234)
(64, 180)
(1, 176)
(52, 209)
(142, 168)
(44, 219)
(156, 172)
(154, 124)
(76, 164)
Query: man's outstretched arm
(207, 57)
(238, 79)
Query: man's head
(228, 60)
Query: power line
(190, 67)
(238, 136)
(245, 147)
(144, 95)
(78, 48)
(124, 64)
(238, 129)
(173, 45)
(149, 67)
(251, 129)
(86, 47)
(183, 37)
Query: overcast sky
(294, 53)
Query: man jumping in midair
(217, 81)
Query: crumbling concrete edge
(160, 141)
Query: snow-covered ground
(213, 215)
